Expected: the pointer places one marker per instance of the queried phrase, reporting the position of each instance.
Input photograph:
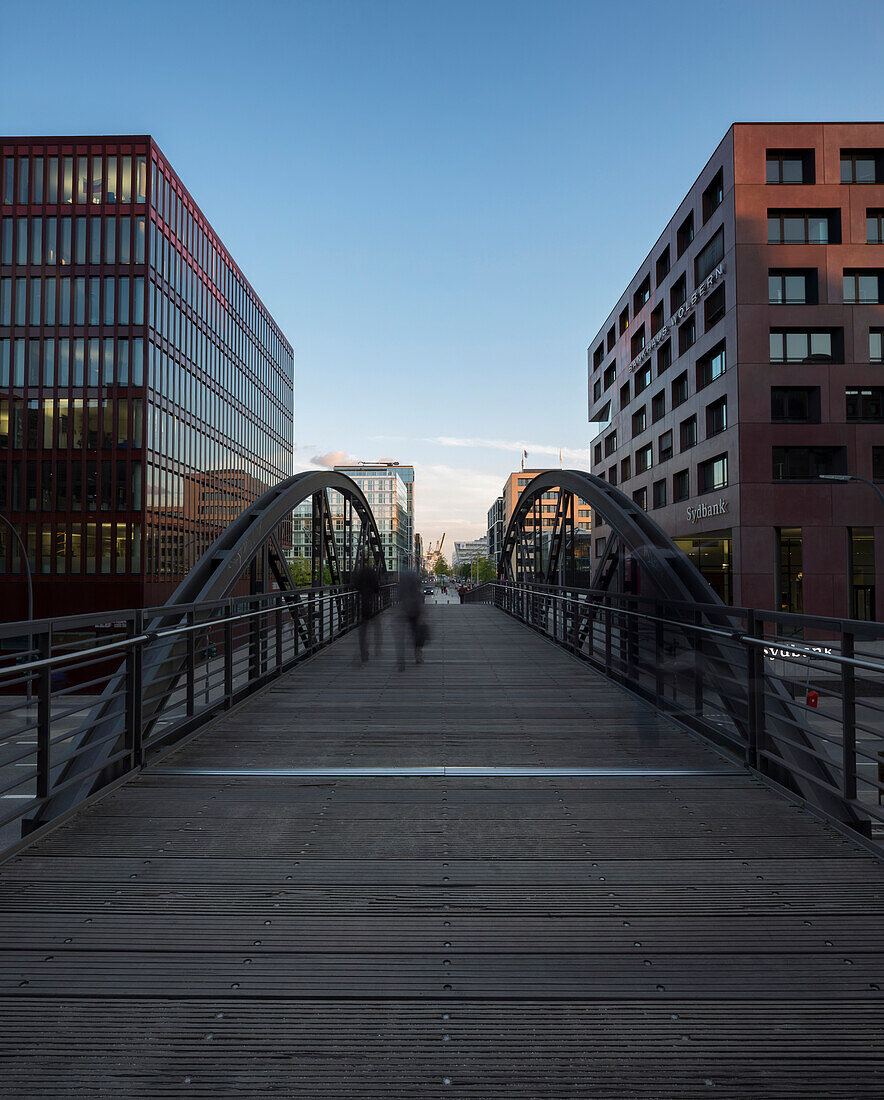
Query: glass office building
(146, 393)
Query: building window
(789, 166)
(687, 433)
(658, 406)
(680, 389)
(865, 404)
(877, 463)
(862, 165)
(795, 403)
(656, 319)
(612, 475)
(800, 346)
(685, 233)
(709, 257)
(597, 389)
(876, 345)
(639, 420)
(711, 366)
(714, 308)
(678, 295)
(609, 375)
(642, 295)
(642, 379)
(862, 287)
(600, 547)
(716, 417)
(803, 227)
(687, 334)
(789, 570)
(644, 459)
(610, 443)
(597, 454)
(713, 196)
(662, 265)
(791, 287)
(681, 485)
(664, 357)
(624, 319)
(624, 396)
(626, 468)
(862, 573)
(637, 343)
(611, 338)
(598, 355)
(712, 474)
(875, 227)
(640, 496)
(664, 446)
(659, 494)
(807, 463)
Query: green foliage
(480, 570)
(441, 568)
(302, 571)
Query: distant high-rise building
(146, 394)
(468, 552)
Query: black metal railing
(798, 698)
(85, 703)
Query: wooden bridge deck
(650, 921)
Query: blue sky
(439, 203)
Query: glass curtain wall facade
(145, 392)
(389, 490)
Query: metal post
(278, 620)
(754, 675)
(44, 711)
(228, 657)
(134, 676)
(848, 718)
(659, 683)
(191, 664)
(698, 668)
(608, 639)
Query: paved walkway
(584, 903)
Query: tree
(441, 568)
(301, 570)
(486, 570)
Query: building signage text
(677, 317)
(701, 511)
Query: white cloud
(453, 500)
(332, 458)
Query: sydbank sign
(675, 320)
(703, 511)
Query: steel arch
(250, 539)
(675, 578)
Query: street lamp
(851, 477)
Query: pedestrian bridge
(594, 845)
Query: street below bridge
(494, 874)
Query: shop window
(861, 542)
(711, 555)
(797, 403)
(716, 417)
(790, 166)
(789, 570)
(804, 227)
(659, 494)
(712, 474)
(866, 403)
(807, 463)
(862, 287)
(664, 446)
(681, 485)
(862, 165)
(658, 406)
(711, 366)
(713, 196)
(642, 295)
(685, 234)
(687, 433)
(709, 257)
(662, 265)
(713, 308)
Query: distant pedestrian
(368, 587)
(412, 623)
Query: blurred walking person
(412, 624)
(368, 587)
